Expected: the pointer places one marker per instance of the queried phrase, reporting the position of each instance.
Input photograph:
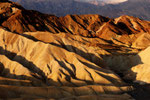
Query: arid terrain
(75, 57)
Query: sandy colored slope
(143, 69)
(72, 57)
(52, 58)
(133, 67)
(59, 62)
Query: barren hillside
(72, 57)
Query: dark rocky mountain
(136, 8)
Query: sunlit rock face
(71, 57)
(124, 30)
(52, 62)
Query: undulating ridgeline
(75, 57)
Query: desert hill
(72, 57)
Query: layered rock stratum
(75, 57)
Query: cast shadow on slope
(7, 78)
(35, 71)
(39, 74)
(70, 48)
(142, 89)
(88, 56)
(14, 92)
(88, 82)
(122, 65)
(141, 92)
(124, 27)
(136, 60)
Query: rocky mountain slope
(124, 30)
(72, 57)
(110, 8)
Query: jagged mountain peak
(78, 57)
